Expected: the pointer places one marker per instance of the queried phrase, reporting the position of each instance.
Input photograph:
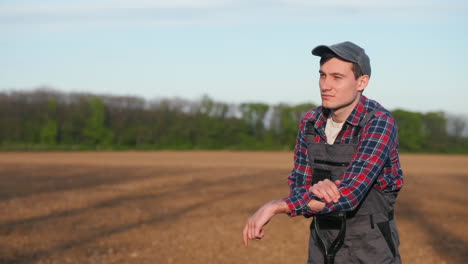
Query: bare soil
(190, 207)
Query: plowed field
(190, 207)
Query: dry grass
(190, 207)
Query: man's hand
(326, 190)
(254, 227)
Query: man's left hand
(326, 190)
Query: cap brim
(320, 50)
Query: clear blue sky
(235, 51)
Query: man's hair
(355, 68)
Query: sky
(235, 50)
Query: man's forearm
(315, 205)
(279, 207)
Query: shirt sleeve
(378, 137)
(299, 178)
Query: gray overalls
(371, 235)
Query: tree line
(45, 119)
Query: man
(346, 171)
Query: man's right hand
(326, 190)
(254, 227)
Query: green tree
(49, 130)
(254, 115)
(95, 131)
(411, 132)
(436, 136)
(285, 123)
(73, 117)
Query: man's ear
(362, 82)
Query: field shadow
(217, 196)
(170, 189)
(23, 181)
(448, 246)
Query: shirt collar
(353, 119)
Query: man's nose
(325, 85)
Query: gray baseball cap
(348, 51)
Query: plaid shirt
(375, 164)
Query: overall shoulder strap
(310, 128)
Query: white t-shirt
(332, 129)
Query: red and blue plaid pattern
(375, 164)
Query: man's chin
(328, 106)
